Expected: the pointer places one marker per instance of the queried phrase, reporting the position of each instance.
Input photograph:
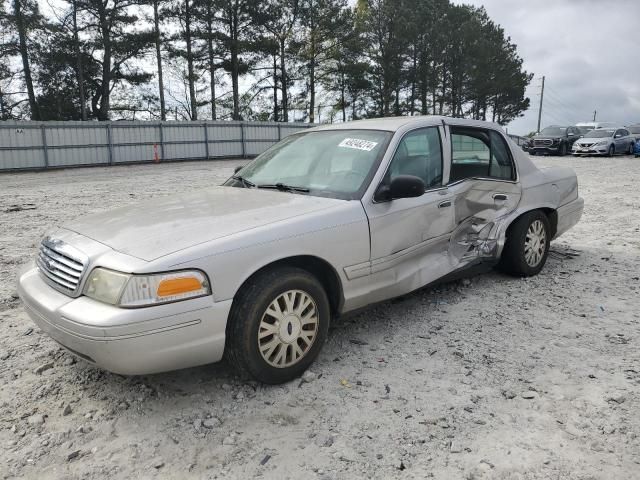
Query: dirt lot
(489, 377)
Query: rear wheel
(277, 325)
(527, 245)
(632, 147)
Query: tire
(632, 148)
(563, 150)
(284, 289)
(611, 152)
(519, 257)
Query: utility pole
(540, 109)
(594, 115)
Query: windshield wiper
(246, 183)
(284, 188)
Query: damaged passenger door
(483, 181)
(410, 236)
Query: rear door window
(479, 153)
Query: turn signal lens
(176, 286)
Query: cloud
(586, 49)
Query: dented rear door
(484, 186)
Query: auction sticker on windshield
(358, 144)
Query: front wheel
(527, 245)
(277, 325)
(563, 149)
(611, 151)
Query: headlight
(126, 290)
(603, 142)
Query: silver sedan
(327, 221)
(605, 141)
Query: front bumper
(592, 150)
(551, 150)
(128, 341)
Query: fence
(35, 145)
(518, 139)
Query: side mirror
(237, 169)
(617, 135)
(403, 186)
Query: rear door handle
(500, 196)
(445, 204)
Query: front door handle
(445, 204)
(500, 196)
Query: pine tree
(235, 34)
(116, 47)
(26, 18)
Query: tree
(279, 19)
(207, 18)
(158, 39)
(184, 48)
(325, 25)
(344, 72)
(115, 48)
(382, 24)
(61, 95)
(371, 58)
(26, 18)
(235, 35)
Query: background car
(554, 140)
(605, 141)
(634, 130)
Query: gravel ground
(487, 377)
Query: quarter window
(478, 153)
(420, 154)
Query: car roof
(394, 124)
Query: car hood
(546, 137)
(589, 141)
(161, 226)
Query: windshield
(634, 130)
(331, 163)
(584, 130)
(600, 133)
(553, 131)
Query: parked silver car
(605, 141)
(327, 221)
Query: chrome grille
(61, 265)
(542, 142)
(586, 145)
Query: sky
(588, 51)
